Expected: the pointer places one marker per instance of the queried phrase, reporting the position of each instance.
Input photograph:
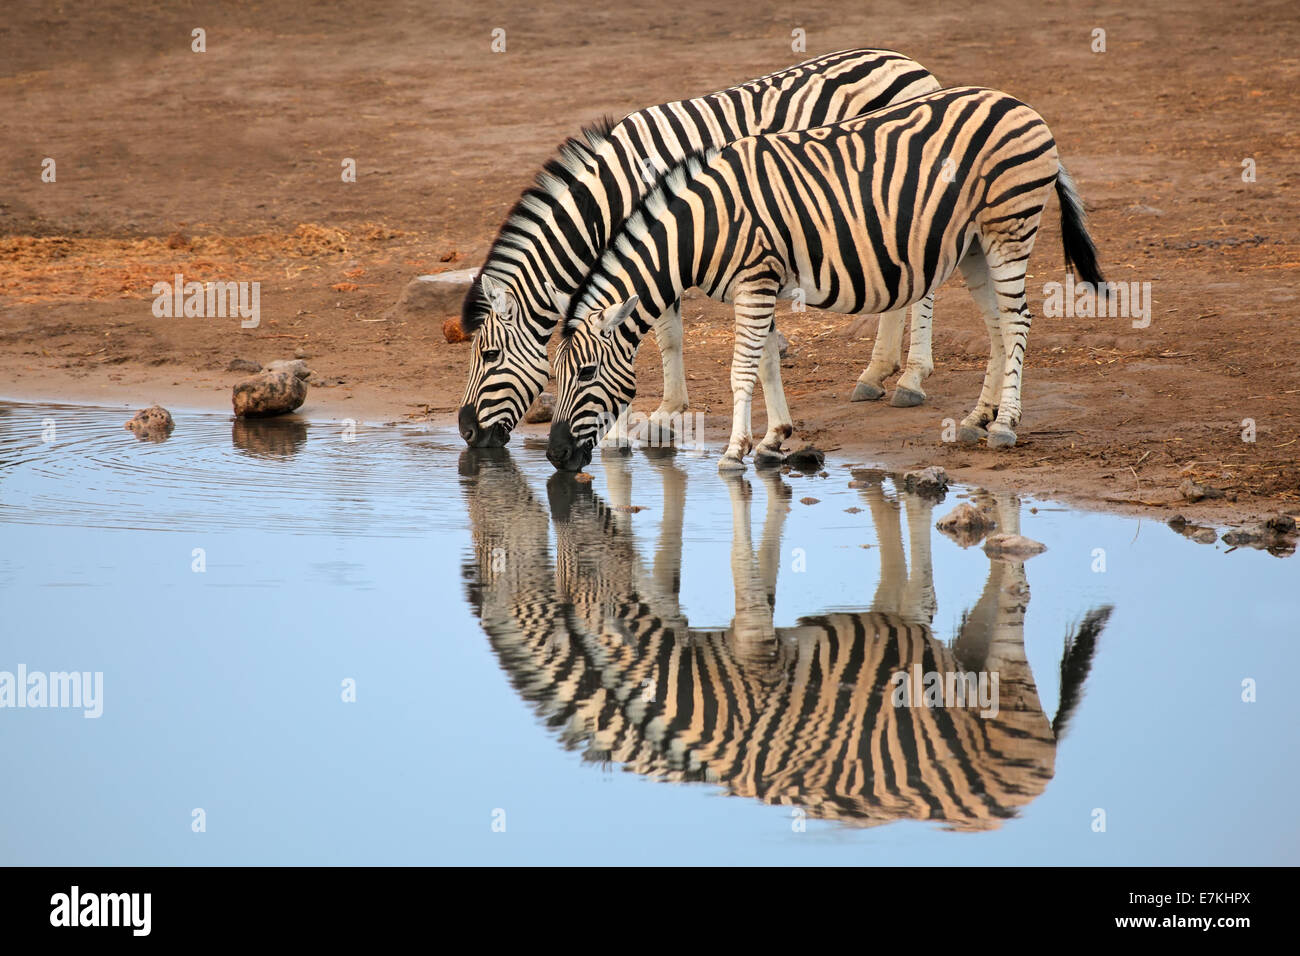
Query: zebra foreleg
(920, 361)
(886, 358)
(753, 324)
(779, 424)
(668, 334)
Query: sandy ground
(226, 164)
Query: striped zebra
(559, 227)
(864, 216)
(798, 716)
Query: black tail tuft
(1076, 663)
(1080, 253)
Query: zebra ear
(616, 313)
(560, 299)
(495, 293)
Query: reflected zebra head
(595, 375)
(508, 363)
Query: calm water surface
(391, 650)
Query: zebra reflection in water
(803, 716)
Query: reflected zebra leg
(889, 541)
(668, 334)
(919, 602)
(779, 494)
(753, 632)
(908, 393)
(666, 577)
(779, 424)
(618, 484)
(886, 358)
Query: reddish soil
(226, 164)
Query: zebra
(798, 716)
(863, 216)
(559, 227)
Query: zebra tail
(1080, 253)
(1076, 664)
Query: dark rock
(1281, 524)
(807, 458)
(783, 345)
(244, 365)
(1194, 491)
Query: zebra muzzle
(564, 452)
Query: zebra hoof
(865, 392)
(971, 434)
(729, 465)
(768, 457)
(1001, 436)
(906, 398)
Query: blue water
(419, 573)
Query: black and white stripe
(864, 216)
(560, 226)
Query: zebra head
(508, 364)
(595, 379)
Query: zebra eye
(491, 355)
(586, 373)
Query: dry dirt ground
(226, 164)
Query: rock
(1012, 546)
(807, 458)
(1178, 523)
(852, 511)
(434, 296)
(809, 501)
(860, 484)
(1194, 491)
(300, 353)
(582, 478)
(269, 393)
(782, 344)
(966, 524)
(295, 367)
(453, 333)
(1205, 536)
(542, 409)
(151, 424)
(244, 365)
(929, 482)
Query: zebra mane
(574, 157)
(670, 184)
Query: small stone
(268, 393)
(966, 524)
(930, 482)
(1012, 546)
(151, 424)
(582, 478)
(1194, 491)
(629, 509)
(541, 410)
(244, 365)
(301, 353)
(1177, 522)
(453, 333)
(1205, 536)
(859, 484)
(853, 511)
(296, 367)
(807, 458)
(782, 344)
(809, 501)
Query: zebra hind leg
(976, 271)
(753, 326)
(908, 393)
(886, 358)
